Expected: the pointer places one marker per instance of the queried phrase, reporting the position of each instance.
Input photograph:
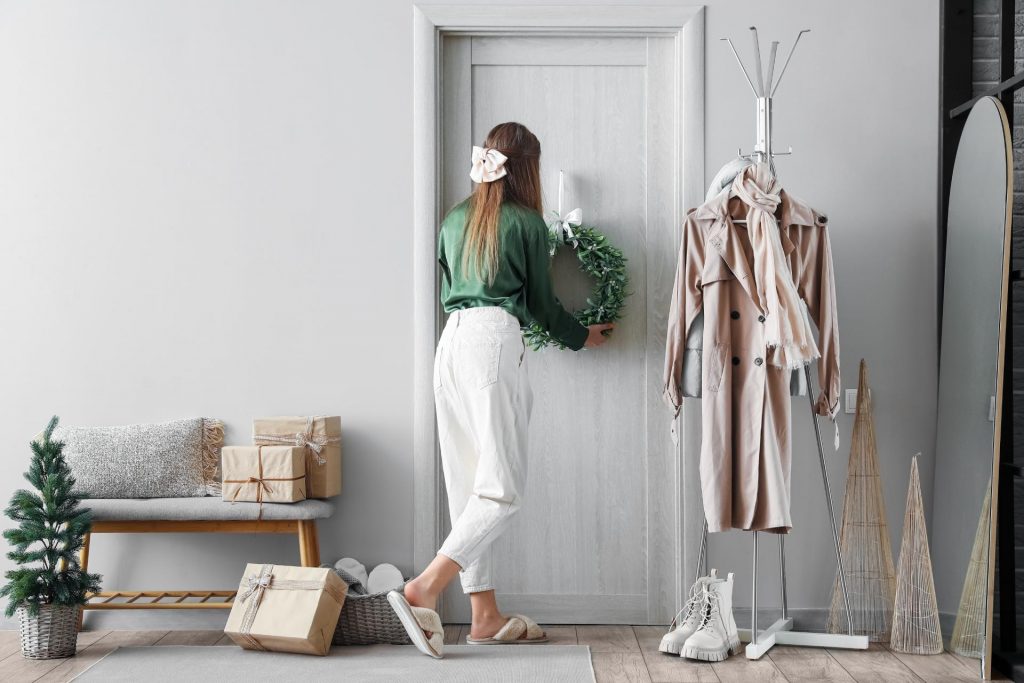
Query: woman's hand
(597, 336)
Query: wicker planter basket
(52, 634)
(367, 618)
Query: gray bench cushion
(201, 508)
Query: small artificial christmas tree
(915, 621)
(867, 549)
(45, 543)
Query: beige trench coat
(745, 448)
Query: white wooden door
(597, 540)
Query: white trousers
(483, 400)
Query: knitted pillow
(175, 459)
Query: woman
(493, 251)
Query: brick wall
(986, 75)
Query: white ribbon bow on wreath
(563, 227)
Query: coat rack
(781, 632)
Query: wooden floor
(620, 653)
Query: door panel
(596, 540)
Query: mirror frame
(986, 661)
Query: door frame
(431, 23)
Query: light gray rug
(469, 663)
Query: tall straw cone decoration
(969, 630)
(864, 538)
(915, 621)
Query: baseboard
(146, 620)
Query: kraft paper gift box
(286, 609)
(263, 474)
(320, 435)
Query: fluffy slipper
(518, 630)
(418, 621)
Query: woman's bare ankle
(486, 625)
(418, 594)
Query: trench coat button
(758, 361)
(735, 315)
(823, 219)
(735, 360)
(760, 318)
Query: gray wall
(206, 210)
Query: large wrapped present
(320, 435)
(286, 609)
(263, 474)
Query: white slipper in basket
(417, 621)
(518, 630)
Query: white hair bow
(488, 165)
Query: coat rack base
(782, 633)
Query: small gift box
(286, 609)
(320, 435)
(263, 474)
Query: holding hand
(596, 337)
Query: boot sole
(705, 655)
(720, 655)
(670, 647)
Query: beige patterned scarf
(787, 327)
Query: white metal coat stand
(781, 632)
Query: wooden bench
(198, 515)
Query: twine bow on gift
(314, 442)
(258, 584)
(261, 483)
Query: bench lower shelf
(161, 600)
(304, 529)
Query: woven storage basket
(52, 634)
(367, 619)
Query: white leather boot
(716, 637)
(688, 619)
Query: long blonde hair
(520, 185)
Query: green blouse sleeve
(442, 259)
(541, 302)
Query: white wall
(206, 206)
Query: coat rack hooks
(765, 87)
(763, 91)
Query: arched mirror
(970, 382)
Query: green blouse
(522, 285)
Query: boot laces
(693, 605)
(710, 609)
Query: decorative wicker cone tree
(915, 621)
(969, 630)
(865, 541)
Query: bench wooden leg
(83, 562)
(314, 545)
(309, 545)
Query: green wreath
(598, 259)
